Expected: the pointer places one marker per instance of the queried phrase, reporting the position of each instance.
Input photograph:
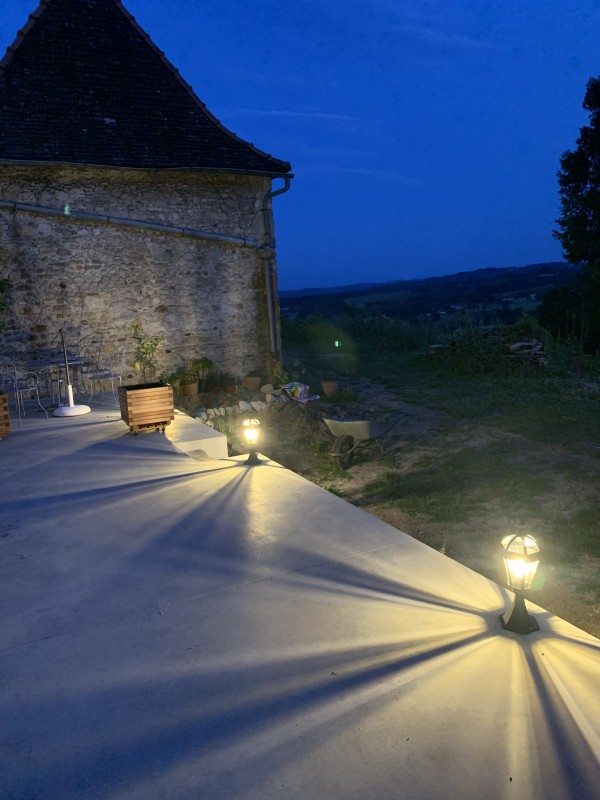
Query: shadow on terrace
(180, 628)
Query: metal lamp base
(518, 619)
(252, 458)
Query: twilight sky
(425, 136)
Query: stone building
(123, 199)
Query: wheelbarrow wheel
(342, 451)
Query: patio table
(53, 368)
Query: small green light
(67, 210)
(338, 343)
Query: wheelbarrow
(350, 434)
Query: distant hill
(494, 289)
(351, 287)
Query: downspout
(267, 252)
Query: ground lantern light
(521, 556)
(251, 435)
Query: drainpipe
(267, 252)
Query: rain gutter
(4, 162)
(87, 216)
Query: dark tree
(579, 222)
(560, 312)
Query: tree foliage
(146, 351)
(561, 313)
(579, 221)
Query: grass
(581, 529)
(514, 480)
(451, 487)
(546, 409)
(552, 411)
(591, 586)
(320, 446)
(513, 448)
(572, 471)
(328, 470)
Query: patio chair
(110, 367)
(19, 383)
(90, 351)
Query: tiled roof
(84, 84)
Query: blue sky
(425, 137)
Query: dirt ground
(296, 437)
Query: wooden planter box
(4, 416)
(146, 405)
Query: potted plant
(228, 382)
(187, 379)
(148, 404)
(202, 366)
(330, 388)
(188, 375)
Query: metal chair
(110, 367)
(28, 384)
(19, 382)
(92, 349)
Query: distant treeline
(492, 293)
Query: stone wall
(206, 297)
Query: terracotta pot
(330, 388)
(252, 383)
(189, 389)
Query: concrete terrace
(180, 627)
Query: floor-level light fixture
(251, 435)
(521, 556)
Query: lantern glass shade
(251, 431)
(521, 556)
